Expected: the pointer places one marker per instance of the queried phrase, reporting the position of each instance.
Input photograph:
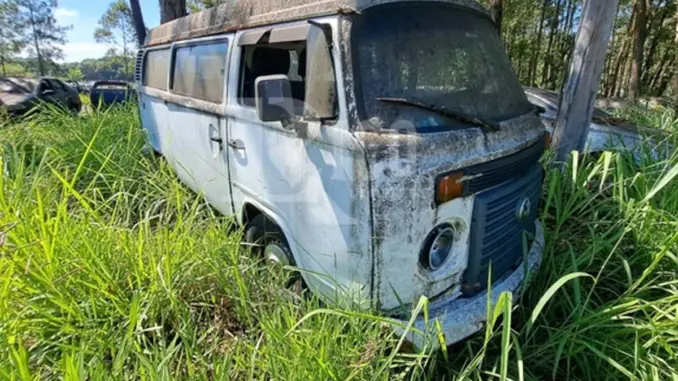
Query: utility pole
(579, 95)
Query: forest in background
(641, 61)
(538, 35)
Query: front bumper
(461, 317)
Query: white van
(384, 147)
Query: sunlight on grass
(110, 268)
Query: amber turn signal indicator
(449, 187)
(547, 140)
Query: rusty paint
(242, 14)
(403, 170)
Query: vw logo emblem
(524, 209)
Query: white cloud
(64, 13)
(78, 51)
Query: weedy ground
(111, 269)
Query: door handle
(217, 140)
(234, 144)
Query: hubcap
(275, 254)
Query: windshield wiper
(484, 124)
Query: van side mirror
(274, 98)
(321, 87)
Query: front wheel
(268, 242)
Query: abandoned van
(383, 147)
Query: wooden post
(579, 95)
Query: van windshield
(433, 54)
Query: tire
(261, 233)
(267, 241)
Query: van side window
(155, 69)
(287, 58)
(199, 71)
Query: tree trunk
(532, 73)
(497, 12)
(557, 79)
(655, 80)
(609, 63)
(617, 69)
(138, 19)
(552, 35)
(675, 74)
(36, 44)
(172, 9)
(521, 53)
(639, 31)
(663, 80)
(125, 54)
(657, 26)
(577, 102)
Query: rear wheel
(268, 242)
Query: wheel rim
(275, 254)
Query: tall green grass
(110, 268)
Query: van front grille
(501, 217)
(138, 65)
(487, 175)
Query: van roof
(241, 14)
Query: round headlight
(438, 247)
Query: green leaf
(551, 291)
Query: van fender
(270, 214)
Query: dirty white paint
(354, 205)
(403, 168)
(460, 318)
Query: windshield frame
(354, 61)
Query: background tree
(11, 39)
(199, 5)
(75, 74)
(172, 9)
(43, 36)
(675, 75)
(639, 30)
(116, 27)
(497, 12)
(640, 62)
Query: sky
(83, 16)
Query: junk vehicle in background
(384, 147)
(107, 93)
(20, 95)
(74, 85)
(606, 132)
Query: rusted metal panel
(241, 14)
(403, 169)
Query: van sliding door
(198, 128)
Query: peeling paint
(403, 169)
(241, 14)
(460, 318)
